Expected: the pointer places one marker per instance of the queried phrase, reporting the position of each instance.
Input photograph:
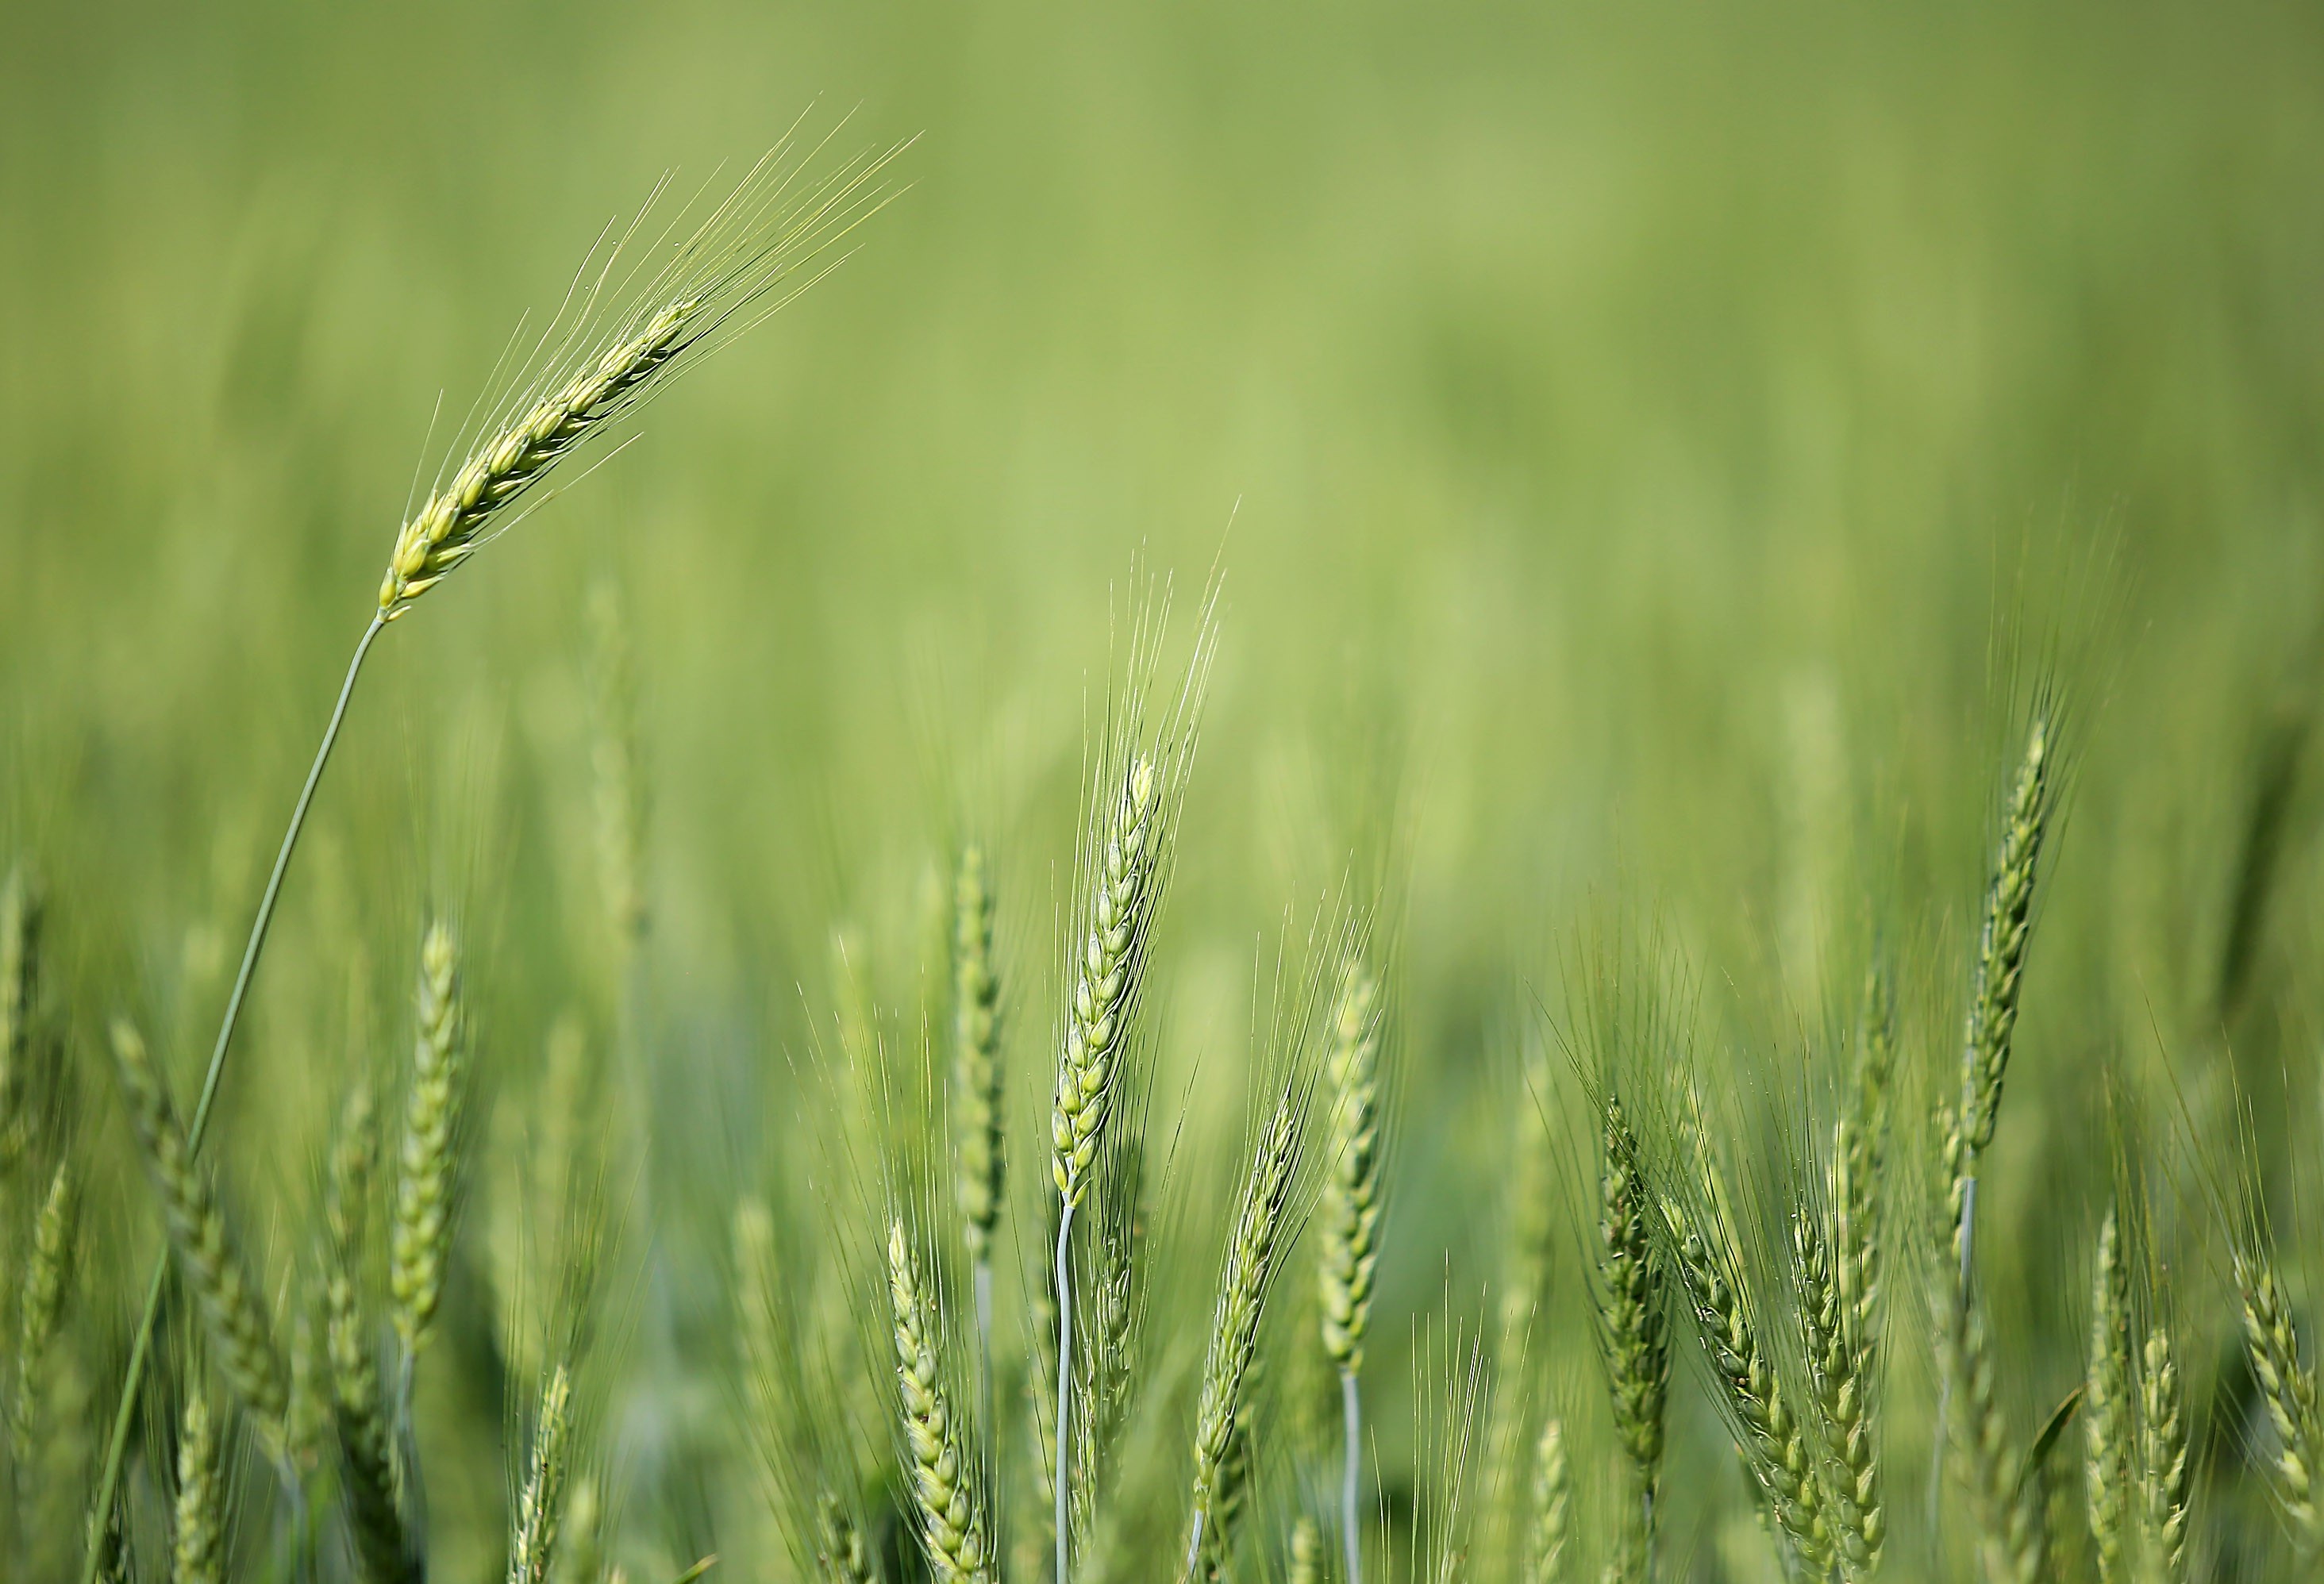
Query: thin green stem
(1350, 1411)
(1065, 1373)
(116, 1448)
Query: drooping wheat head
(2108, 1408)
(1243, 1285)
(594, 365)
(197, 1529)
(939, 1469)
(241, 1339)
(426, 1166)
(976, 1056)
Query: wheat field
(1387, 796)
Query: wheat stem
(141, 1345)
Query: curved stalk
(118, 1446)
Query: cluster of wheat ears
(1049, 1414)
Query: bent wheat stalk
(593, 366)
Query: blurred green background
(1660, 443)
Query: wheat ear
(1552, 1501)
(1751, 1396)
(2011, 1544)
(2164, 1470)
(1107, 973)
(532, 1541)
(2000, 969)
(1841, 1389)
(2288, 1386)
(1234, 1323)
(425, 1164)
(976, 1088)
(2108, 1406)
(1859, 1157)
(46, 1271)
(366, 1450)
(1634, 1327)
(1307, 1552)
(20, 969)
(1351, 1225)
(238, 1326)
(197, 1530)
(938, 1465)
(839, 1549)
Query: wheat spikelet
(2288, 1386)
(1751, 1396)
(2164, 1471)
(242, 1342)
(20, 969)
(976, 1056)
(46, 1270)
(1307, 1552)
(1634, 1327)
(942, 1480)
(366, 1450)
(2108, 1406)
(1106, 977)
(1859, 1157)
(1234, 1325)
(2000, 969)
(2011, 1544)
(532, 1541)
(1552, 1501)
(431, 1116)
(198, 1535)
(1851, 1469)
(1352, 1187)
(839, 1549)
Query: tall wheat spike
(2108, 1405)
(47, 1269)
(541, 1501)
(1553, 1500)
(425, 1163)
(1633, 1312)
(976, 1086)
(1350, 1224)
(383, 1551)
(1859, 1157)
(2164, 1466)
(1243, 1284)
(242, 1341)
(939, 1468)
(594, 365)
(2002, 939)
(198, 1535)
(1840, 1391)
